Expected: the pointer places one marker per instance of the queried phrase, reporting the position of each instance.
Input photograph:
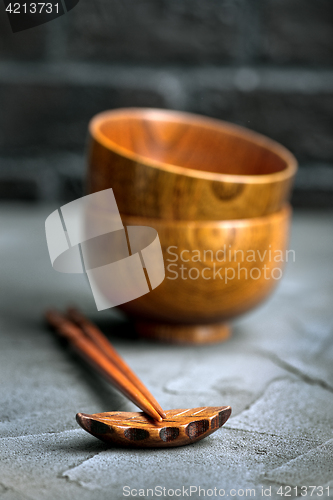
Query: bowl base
(183, 334)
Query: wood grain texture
(181, 426)
(179, 166)
(211, 298)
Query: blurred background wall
(264, 64)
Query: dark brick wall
(298, 31)
(265, 64)
(155, 31)
(24, 46)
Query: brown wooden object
(215, 271)
(95, 334)
(95, 356)
(178, 166)
(180, 427)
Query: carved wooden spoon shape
(180, 427)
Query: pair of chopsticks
(94, 347)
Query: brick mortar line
(225, 77)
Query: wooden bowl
(229, 267)
(178, 166)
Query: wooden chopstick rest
(179, 428)
(152, 429)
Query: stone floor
(276, 372)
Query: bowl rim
(260, 140)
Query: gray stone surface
(276, 372)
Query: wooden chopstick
(96, 357)
(95, 334)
